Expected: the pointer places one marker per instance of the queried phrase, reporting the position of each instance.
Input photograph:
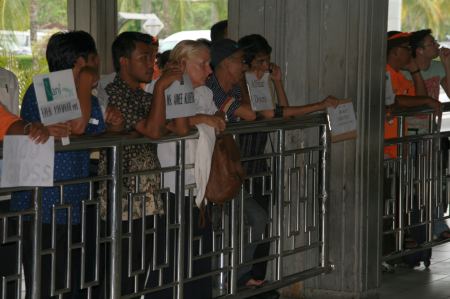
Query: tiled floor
(420, 283)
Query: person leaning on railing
(193, 58)
(144, 113)
(436, 73)
(227, 83)
(74, 50)
(401, 93)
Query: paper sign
(342, 121)
(259, 90)
(26, 163)
(57, 97)
(180, 101)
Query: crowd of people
(414, 78)
(135, 104)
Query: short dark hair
(417, 38)
(125, 44)
(162, 59)
(218, 30)
(252, 45)
(64, 48)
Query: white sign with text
(342, 121)
(180, 101)
(259, 91)
(26, 163)
(57, 97)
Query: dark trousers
(258, 270)
(198, 289)
(8, 253)
(61, 262)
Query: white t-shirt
(167, 151)
(9, 91)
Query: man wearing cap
(227, 60)
(226, 82)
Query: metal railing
(164, 251)
(415, 184)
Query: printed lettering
(189, 98)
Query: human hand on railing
(37, 132)
(329, 101)
(114, 117)
(215, 121)
(60, 130)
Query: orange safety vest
(6, 120)
(400, 86)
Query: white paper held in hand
(180, 100)
(261, 97)
(26, 163)
(56, 97)
(342, 121)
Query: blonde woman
(193, 58)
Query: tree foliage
(422, 14)
(177, 15)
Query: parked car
(169, 42)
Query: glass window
(25, 27)
(171, 20)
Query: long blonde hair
(186, 49)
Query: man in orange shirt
(400, 92)
(12, 124)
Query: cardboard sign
(342, 121)
(26, 163)
(57, 97)
(180, 100)
(259, 90)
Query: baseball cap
(397, 38)
(222, 49)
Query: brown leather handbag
(227, 174)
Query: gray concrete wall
(335, 47)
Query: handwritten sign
(259, 90)
(57, 97)
(342, 121)
(26, 163)
(180, 100)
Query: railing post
(181, 219)
(401, 203)
(116, 223)
(280, 203)
(325, 172)
(37, 243)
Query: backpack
(227, 174)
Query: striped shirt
(228, 102)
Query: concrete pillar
(335, 47)
(99, 18)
